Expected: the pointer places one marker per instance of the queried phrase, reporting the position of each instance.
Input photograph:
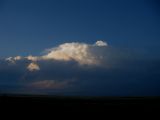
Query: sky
(80, 47)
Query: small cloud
(17, 58)
(32, 58)
(14, 59)
(101, 43)
(33, 67)
(10, 59)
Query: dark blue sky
(30, 26)
(123, 67)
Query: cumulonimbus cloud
(79, 52)
(82, 53)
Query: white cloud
(101, 43)
(72, 51)
(10, 59)
(80, 52)
(17, 58)
(32, 58)
(14, 59)
(33, 67)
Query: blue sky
(94, 47)
(30, 26)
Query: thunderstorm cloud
(81, 69)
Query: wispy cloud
(50, 84)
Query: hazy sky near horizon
(80, 47)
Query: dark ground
(59, 104)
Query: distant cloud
(17, 58)
(80, 52)
(10, 59)
(33, 67)
(49, 84)
(101, 43)
(32, 58)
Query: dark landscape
(80, 104)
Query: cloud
(10, 59)
(49, 84)
(33, 67)
(97, 69)
(32, 58)
(80, 52)
(17, 58)
(101, 43)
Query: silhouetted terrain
(80, 104)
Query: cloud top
(101, 43)
(82, 53)
(72, 51)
